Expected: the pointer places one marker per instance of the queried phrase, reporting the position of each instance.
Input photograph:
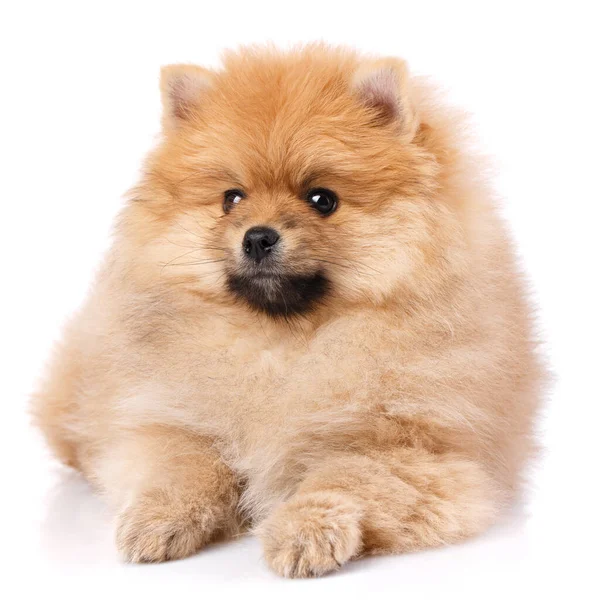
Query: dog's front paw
(312, 534)
(157, 527)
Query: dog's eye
(324, 200)
(231, 198)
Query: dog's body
(364, 381)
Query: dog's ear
(182, 88)
(384, 87)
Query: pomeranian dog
(310, 324)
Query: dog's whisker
(198, 262)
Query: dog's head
(289, 181)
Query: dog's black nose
(259, 241)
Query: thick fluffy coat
(372, 389)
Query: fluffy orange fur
(394, 414)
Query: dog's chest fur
(268, 398)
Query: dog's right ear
(182, 89)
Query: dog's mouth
(279, 295)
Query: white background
(79, 107)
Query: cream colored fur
(395, 415)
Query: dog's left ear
(183, 88)
(384, 86)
